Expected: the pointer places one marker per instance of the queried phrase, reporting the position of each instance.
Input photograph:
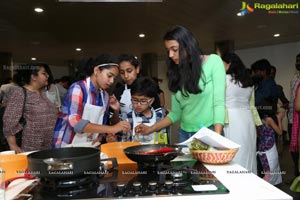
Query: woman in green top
(198, 84)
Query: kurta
(40, 115)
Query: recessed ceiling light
(276, 35)
(38, 10)
(33, 58)
(78, 49)
(142, 35)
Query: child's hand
(143, 129)
(114, 103)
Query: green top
(206, 108)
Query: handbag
(22, 121)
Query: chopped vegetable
(198, 145)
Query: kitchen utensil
(152, 153)
(64, 162)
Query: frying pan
(152, 153)
(63, 162)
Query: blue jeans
(183, 135)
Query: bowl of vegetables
(206, 154)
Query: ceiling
(53, 35)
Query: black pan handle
(114, 161)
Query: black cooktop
(133, 181)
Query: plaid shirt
(70, 120)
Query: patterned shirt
(266, 140)
(70, 119)
(40, 115)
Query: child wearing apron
(143, 92)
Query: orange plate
(115, 150)
(13, 165)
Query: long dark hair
(237, 70)
(185, 76)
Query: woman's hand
(11, 140)
(16, 148)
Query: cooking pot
(64, 162)
(152, 153)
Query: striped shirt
(70, 120)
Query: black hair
(267, 109)
(102, 59)
(185, 76)
(144, 86)
(129, 58)
(50, 78)
(237, 70)
(86, 66)
(298, 55)
(24, 72)
(262, 65)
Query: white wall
(59, 71)
(282, 56)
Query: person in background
(266, 145)
(197, 82)
(293, 128)
(39, 113)
(143, 92)
(63, 85)
(51, 90)
(240, 126)
(266, 89)
(85, 109)
(281, 109)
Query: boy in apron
(143, 92)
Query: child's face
(128, 72)
(141, 103)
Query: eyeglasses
(142, 101)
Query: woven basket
(214, 157)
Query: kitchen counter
(241, 184)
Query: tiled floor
(287, 168)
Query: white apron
(144, 139)
(125, 102)
(272, 156)
(95, 115)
